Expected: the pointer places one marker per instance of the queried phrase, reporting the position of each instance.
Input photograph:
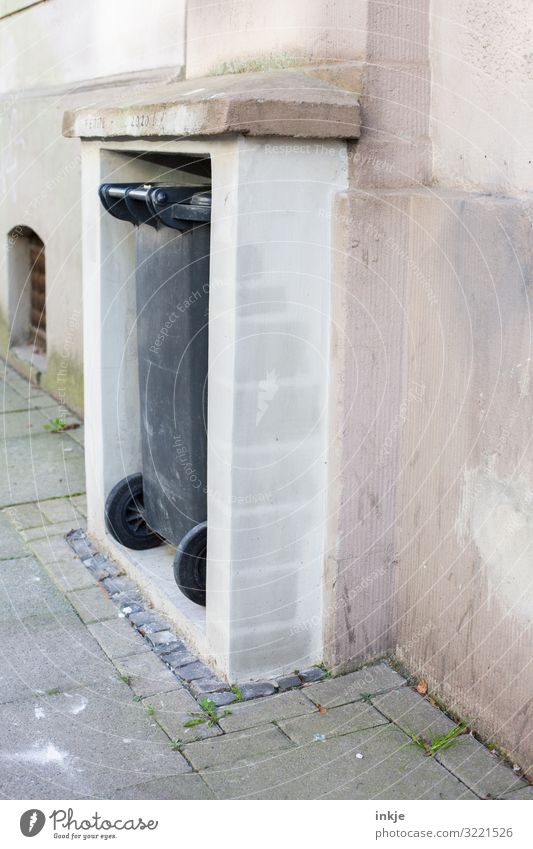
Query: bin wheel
(124, 515)
(190, 564)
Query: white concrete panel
(280, 359)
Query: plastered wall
(55, 55)
(243, 35)
(482, 91)
(431, 472)
(464, 528)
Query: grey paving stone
(243, 747)
(207, 686)
(256, 690)
(11, 400)
(92, 605)
(289, 682)
(333, 770)
(78, 536)
(153, 626)
(22, 423)
(11, 543)
(80, 503)
(47, 652)
(45, 531)
(161, 638)
(176, 701)
(100, 567)
(142, 617)
(173, 710)
(26, 591)
(278, 707)
(26, 785)
(193, 670)
(355, 716)
(37, 399)
(223, 699)
(117, 638)
(20, 383)
(40, 467)
(77, 435)
(175, 646)
(24, 516)
(53, 549)
(60, 510)
(119, 584)
(308, 676)
(69, 574)
(178, 658)
(92, 741)
(474, 765)
(147, 674)
(349, 688)
(413, 713)
(525, 792)
(128, 603)
(81, 544)
(184, 787)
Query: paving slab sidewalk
(89, 710)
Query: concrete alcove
(27, 294)
(268, 345)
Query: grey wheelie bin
(166, 500)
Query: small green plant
(365, 697)
(496, 749)
(327, 672)
(137, 698)
(236, 690)
(150, 710)
(444, 741)
(196, 719)
(177, 745)
(54, 691)
(55, 425)
(418, 741)
(438, 743)
(125, 679)
(210, 714)
(58, 426)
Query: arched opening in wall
(27, 294)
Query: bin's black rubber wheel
(190, 564)
(124, 515)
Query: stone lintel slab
(279, 103)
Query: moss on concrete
(254, 66)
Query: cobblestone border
(192, 673)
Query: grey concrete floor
(73, 725)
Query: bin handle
(179, 207)
(120, 192)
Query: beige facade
(430, 510)
(429, 462)
(56, 54)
